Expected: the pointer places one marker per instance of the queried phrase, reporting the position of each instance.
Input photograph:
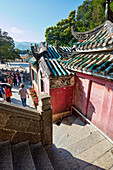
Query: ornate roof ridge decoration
(86, 35)
(108, 12)
(42, 50)
(101, 40)
(63, 53)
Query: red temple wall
(94, 98)
(61, 99)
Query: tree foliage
(7, 50)
(62, 31)
(89, 15)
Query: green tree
(89, 15)
(7, 50)
(62, 31)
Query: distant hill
(24, 45)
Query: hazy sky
(26, 20)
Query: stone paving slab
(22, 158)
(56, 158)
(82, 133)
(92, 167)
(85, 143)
(40, 157)
(63, 128)
(55, 128)
(95, 151)
(74, 128)
(105, 161)
(5, 156)
(70, 160)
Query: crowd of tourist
(13, 79)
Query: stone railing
(19, 124)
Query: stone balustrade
(19, 124)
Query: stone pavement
(84, 144)
(16, 97)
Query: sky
(27, 20)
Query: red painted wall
(80, 93)
(61, 99)
(95, 103)
(94, 98)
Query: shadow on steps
(75, 163)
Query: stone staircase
(23, 156)
(82, 146)
(76, 147)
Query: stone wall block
(17, 123)
(22, 136)
(34, 126)
(47, 127)
(46, 107)
(3, 119)
(15, 110)
(44, 102)
(6, 134)
(44, 99)
(46, 113)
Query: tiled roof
(54, 65)
(94, 56)
(51, 58)
(101, 41)
(98, 64)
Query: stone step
(106, 160)
(70, 160)
(82, 133)
(63, 128)
(98, 152)
(56, 158)
(40, 157)
(5, 156)
(22, 158)
(55, 128)
(74, 128)
(85, 143)
(70, 118)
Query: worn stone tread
(93, 167)
(56, 158)
(5, 156)
(96, 151)
(80, 134)
(105, 161)
(55, 128)
(74, 128)
(22, 159)
(72, 118)
(40, 157)
(70, 160)
(85, 143)
(63, 128)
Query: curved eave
(87, 34)
(93, 74)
